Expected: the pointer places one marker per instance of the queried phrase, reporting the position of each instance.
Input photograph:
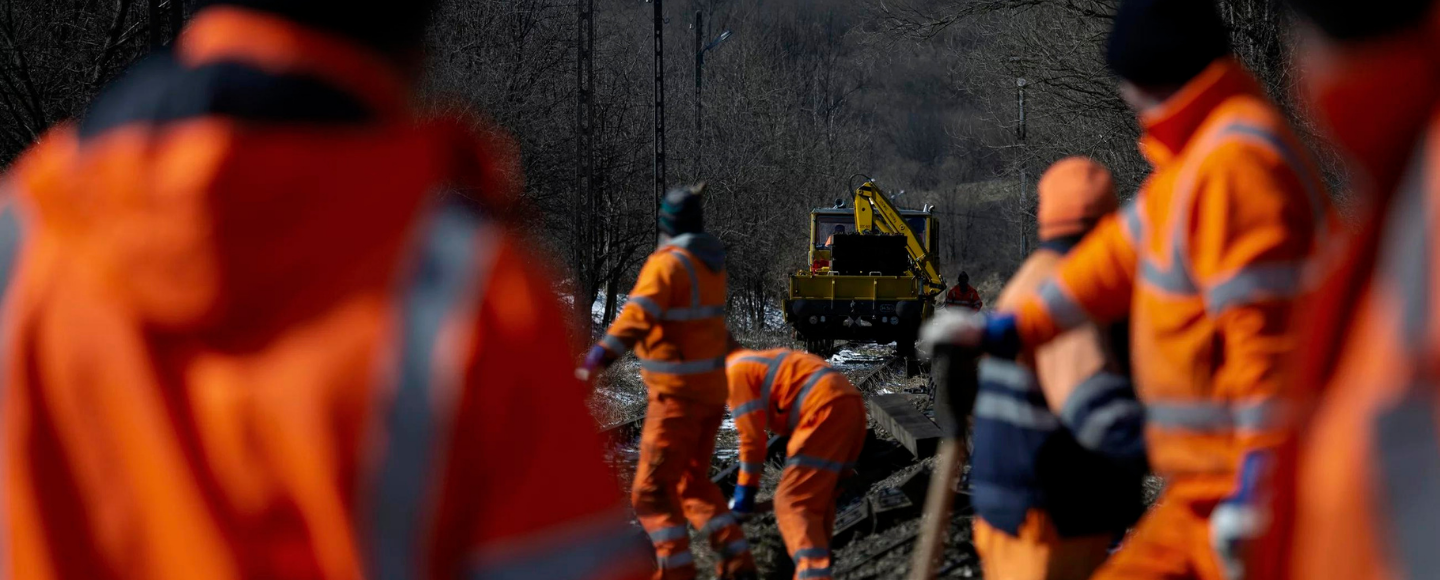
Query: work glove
(993, 334)
(596, 360)
(1239, 519)
(743, 503)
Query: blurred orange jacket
(675, 320)
(243, 340)
(1206, 260)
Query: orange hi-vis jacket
(774, 389)
(241, 338)
(968, 297)
(675, 320)
(1206, 260)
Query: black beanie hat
(1351, 20)
(1161, 43)
(391, 26)
(681, 211)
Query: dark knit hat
(1161, 43)
(681, 210)
(1351, 20)
(392, 26)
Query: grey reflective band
(1407, 446)
(717, 523)
(734, 548)
(1014, 411)
(817, 463)
(748, 407)
(1313, 191)
(1406, 255)
(691, 314)
(1091, 431)
(1094, 387)
(669, 534)
(753, 468)
(1064, 311)
(1007, 374)
(799, 404)
(770, 374)
(1210, 417)
(694, 278)
(1255, 417)
(812, 573)
(811, 553)
(11, 237)
(755, 359)
(1176, 280)
(613, 344)
(689, 367)
(1253, 284)
(447, 272)
(1133, 222)
(566, 556)
(676, 560)
(646, 304)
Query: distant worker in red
(1059, 445)
(1206, 261)
(795, 393)
(963, 295)
(246, 337)
(1358, 493)
(675, 321)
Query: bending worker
(963, 295)
(1206, 261)
(1059, 449)
(796, 394)
(675, 319)
(211, 260)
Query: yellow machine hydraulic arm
(875, 213)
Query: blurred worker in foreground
(245, 338)
(1206, 261)
(796, 394)
(1059, 444)
(675, 319)
(963, 295)
(1358, 495)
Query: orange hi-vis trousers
(1171, 541)
(672, 488)
(824, 445)
(1038, 552)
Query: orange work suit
(244, 338)
(796, 394)
(1359, 485)
(675, 319)
(1206, 261)
(1059, 454)
(967, 297)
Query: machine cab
(825, 224)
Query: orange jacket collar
(1170, 126)
(277, 45)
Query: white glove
(953, 327)
(1233, 526)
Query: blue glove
(744, 501)
(597, 358)
(1001, 338)
(1238, 519)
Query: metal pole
(1024, 194)
(659, 110)
(699, 76)
(586, 208)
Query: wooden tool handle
(935, 525)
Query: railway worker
(1356, 494)
(1059, 449)
(795, 393)
(963, 295)
(675, 319)
(1206, 260)
(839, 230)
(244, 339)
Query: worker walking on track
(1206, 261)
(1358, 492)
(1059, 446)
(963, 295)
(245, 337)
(675, 319)
(796, 394)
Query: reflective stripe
(694, 278)
(689, 367)
(1007, 374)
(813, 573)
(447, 276)
(1253, 284)
(670, 534)
(1133, 222)
(1175, 280)
(1010, 410)
(1406, 254)
(748, 407)
(676, 560)
(717, 523)
(690, 314)
(817, 463)
(1096, 387)
(1211, 417)
(1091, 432)
(799, 404)
(648, 305)
(770, 374)
(810, 553)
(1407, 444)
(755, 359)
(614, 344)
(734, 548)
(755, 468)
(1313, 191)
(603, 546)
(11, 238)
(1063, 310)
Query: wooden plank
(910, 427)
